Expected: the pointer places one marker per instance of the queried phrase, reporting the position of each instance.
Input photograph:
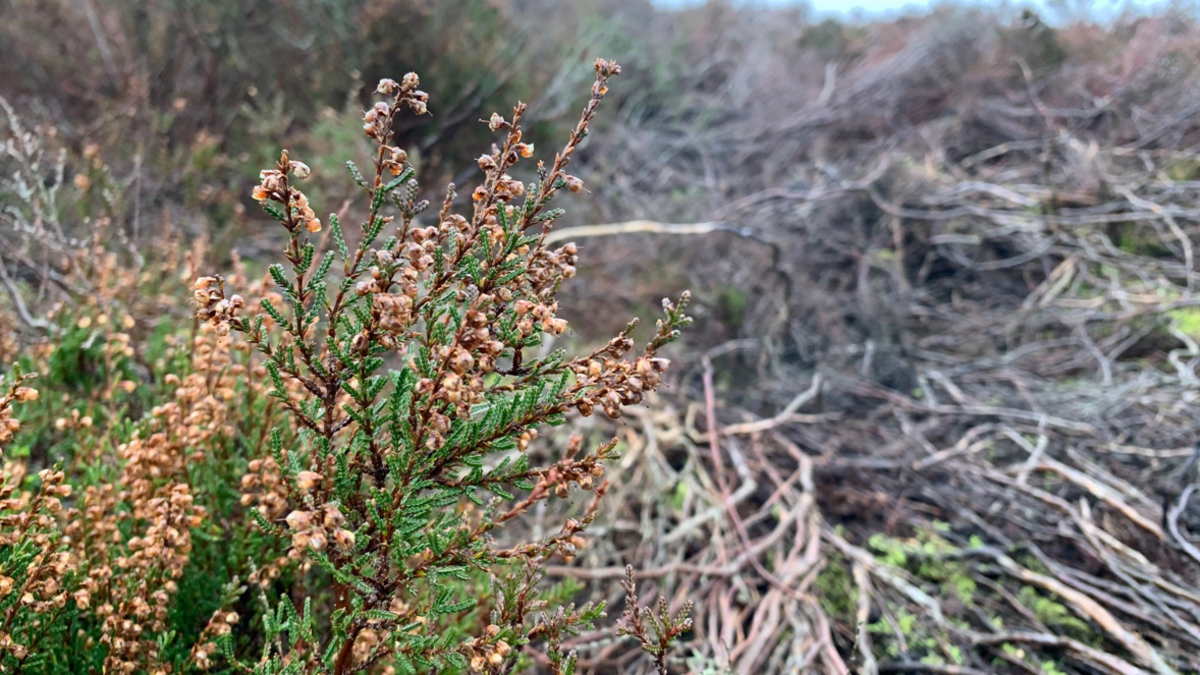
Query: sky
(1051, 11)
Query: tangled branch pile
(953, 430)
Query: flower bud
(344, 539)
(299, 520)
(317, 541)
(307, 480)
(333, 517)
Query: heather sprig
(655, 631)
(16, 392)
(413, 396)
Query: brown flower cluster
(137, 586)
(209, 295)
(377, 122)
(135, 533)
(220, 623)
(613, 382)
(42, 587)
(146, 578)
(274, 186)
(557, 479)
(487, 654)
(263, 488)
(16, 393)
(313, 530)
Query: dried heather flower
(344, 539)
(307, 481)
(16, 393)
(299, 520)
(300, 169)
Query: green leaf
(399, 180)
(335, 226)
(280, 278)
(275, 212)
(356, 174)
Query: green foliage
(833, 40)
(835, 590)
(1051, 612)
(929, 557)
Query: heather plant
(94, 549)
(414, 382)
